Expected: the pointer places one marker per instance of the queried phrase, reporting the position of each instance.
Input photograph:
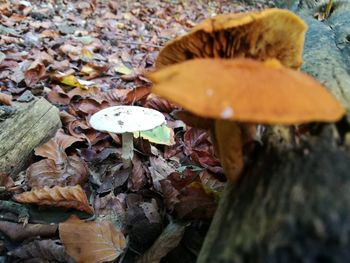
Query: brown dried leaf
(6, 180)
(91, 242)
(48, 173)
(137, 94)
(160, 104)
(170, 194)
(58, 169)
(159, 170)
(58, 96)
(111, 207)
(67, 197)
(34, 73)
(167, 241)
(210, 182)
(47, 250)
(5, 99)
(138, 179)
(206, 160)
(195, 203)
(19, 232)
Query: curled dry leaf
(67, 197)
(160, 104)
(5, 99)
(48, 173)
(58, 169)
(6, 181)
(54, 148)
(159, 170)
(137, 94)
(137, 179)
(34, 73)
(185, 195)
(211, 183)
(45, 250)
(58, 96)
(91, 242)
(167, 241)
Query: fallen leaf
(167, 241)
(54, 148)
(159, 104)
(42, 250)
(111, 207)
(122, 69)
(5, 99)
(66, 197)
(72, 81)
(137, 179)
(211, 183)
(48, 173)
(136, 94)
(159, 170)
(34, 73)
(159, 135)
(91, 242)
(6, 180)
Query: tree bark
(292, 204)
(29, 125)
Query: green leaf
(159, 135)
(122, 69)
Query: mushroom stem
(127, 149)
(229, 143)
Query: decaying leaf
(185, 195)
(34, 73)
(5, 99)
(210, 182)
(137, 179)
(48, 173)
(159, 170)
(72, 81)
(159, 135)
(6, 180)
(48, 250)
(54, 148)
(91, 242)
(58, 169)
(66, 197)
(160, 104)
(167, 241)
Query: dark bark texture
(293, 204)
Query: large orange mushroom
(271, 33)
(230, 92)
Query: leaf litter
(83, 57)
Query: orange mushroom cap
(246, 90)
(271, 33)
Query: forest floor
(82, 57)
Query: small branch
(18, 209)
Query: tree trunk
(28, 126)
(293, 204)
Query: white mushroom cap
(122, 119)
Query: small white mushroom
(126, 120)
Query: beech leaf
(91, 242)
(67, 197)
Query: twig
(18, 209)
(140, 43)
